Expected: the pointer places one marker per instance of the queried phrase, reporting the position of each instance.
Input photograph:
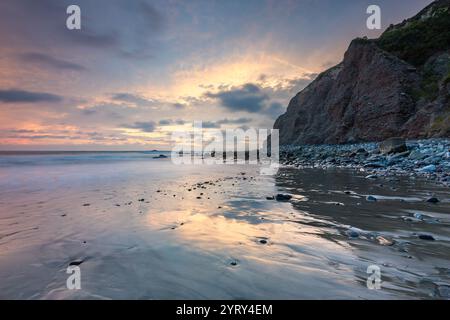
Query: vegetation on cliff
(417, 39)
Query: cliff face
(380, 90)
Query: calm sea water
(144, 228)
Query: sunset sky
(138, 70)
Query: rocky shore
(416, 158)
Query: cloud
(21, 96)
(234, 121)
(296, 85)
(165, 122)
(179, 106)
(126, 29)
(275, 109)
(49, 61)
(131, 98)
(142, 126)
(168, 122)
(249, 98)
(252, 98)
(210, 125)
(207, 124)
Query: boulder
(393, 145)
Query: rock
(443, 291)
(371, 198)
(416, 155)
(86, 205)
(400, 155)
(426, 237)
(141, 200)
(270, 198)
(433, 200)
(283, 197)
(411, 219)
(393, 145)
(374, 165)
(384, 241)
(352, 233)
(263, 241)
(418, 216)
(76, 263)
(161, 156)
(428, 169)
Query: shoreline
(426, 158)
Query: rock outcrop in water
(395, 86)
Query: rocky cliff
(396, 85)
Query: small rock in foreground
(283, 197)
(385, 241)
(433, 200)
(426, 237)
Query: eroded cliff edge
(396, 85)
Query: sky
(138, 70)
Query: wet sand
(153, 230)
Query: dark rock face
(371, 96)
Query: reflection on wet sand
(163, 231)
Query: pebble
(283, 197)
(353, 234)
(385, 241)
(426, 237)
(443, 291)
(433, 200)
(418, 216)
(430, 168)
(428, 158)
(411, 219)
(76, 263)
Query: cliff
(396, 85)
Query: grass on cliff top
(418, 39)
